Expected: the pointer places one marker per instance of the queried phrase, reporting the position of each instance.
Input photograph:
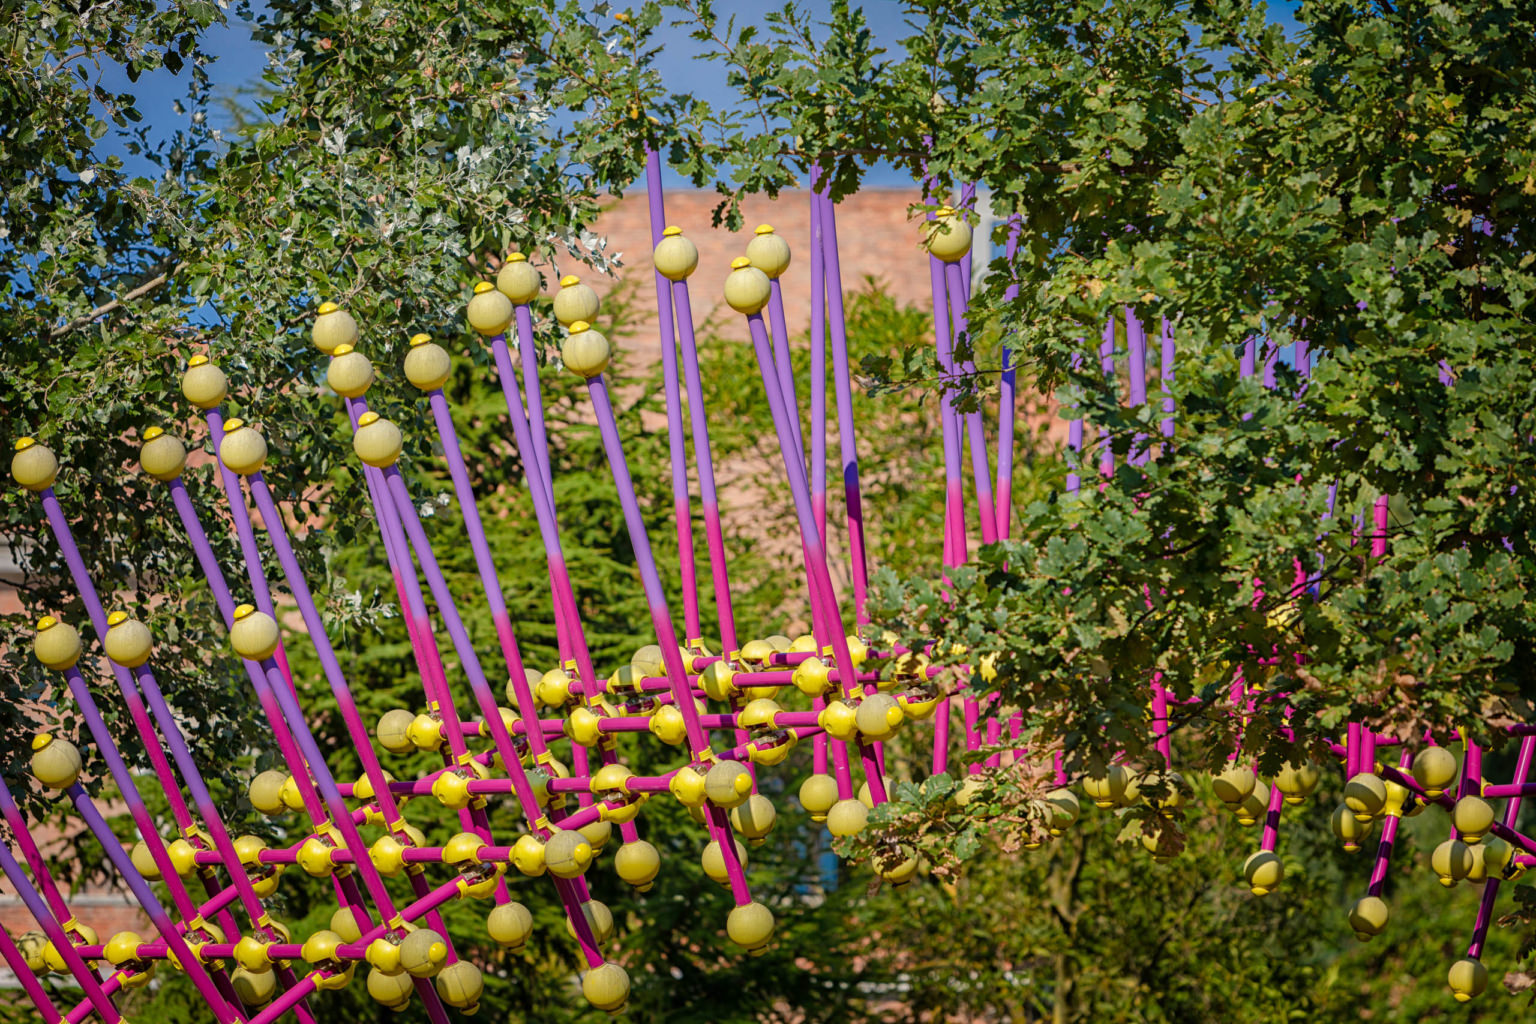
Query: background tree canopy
(1363, 186)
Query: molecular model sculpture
(734, 712)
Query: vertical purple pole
(1007, 386)
(1136, 360)
(818, 374)
(981, 473)
(1107, 367)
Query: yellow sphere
(638, 863)
(1468, 979)
(144, 861)
(350, 373)
(489, 312)
(606, 987)
(333, 327)
(567, 854)
(599, 921)
(1350, 830)
(57, 644)
(30, 945)
(1497, 854)
(575, 301)
(1234, 783)
(754, 818)
(668, 725)
(344, 923)
(377, 441)
(878, 716)
(1263, 871)
(390, 990)
(847, 818)
(509, 925)
(750, 926)
(528, 855)
(1064, 808)
(56, 762)
(253, 634)
(122, 948)
(1369, 917)
(675, 256)
(253, 989)
(266, 792)
(518, 280)
(713, 860)
(1255, 806)
(34, 466)
(1434, 769)
(746, 288)
(242, 449)
(899, 872)
(128, 641)
(393, 731)
(597, 833)
(1106, 786)
(427, 365)
(460, 985)
(1365, 795)
(768, 251)
(727, 784)
(817, 795)
(948, 236)
(204, 385)
(585, 352)
(162, 455)
(1297, 782)
(423, 953)
(1473, 817)
(1452, 861)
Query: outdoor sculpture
(735, 712)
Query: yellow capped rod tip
(420, 339)
(483, 287)
(41, 740)
(242, 611)
(327, 307)
(116, 617)
(569, 280)
(233, 424)
(739, 262)
(516, 257)
(197, 361)
(46, 622)
(23, 443)
(341, 350)
(671, 230)
(368, 417)
(152, 433)
(577, 326)
(764, 229)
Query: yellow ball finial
(585, 353)
(162, 455)
(242, 450)
(128, 641)
(518, 280)
(948, 236)
(204, 385)
(675, 257)
(575, 301)
(768, 251)
(333, 326)
(427, 366)
(489, 312)
(377, 441)
(57, 644)
(34, 466)
(350, 373)
(746, 287)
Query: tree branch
(166, 270)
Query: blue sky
(240, 62)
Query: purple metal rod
(1388, 838)
(818, 575)
(51, 925)
(1136, 358)
(818, 374)
(847, 442)
(783, 364)
(954, 509)
(1166, 372)
(1271, 837)
(981, 472)
(1511, 814)
(1107, 367)
(661, 621)
(1075, 436)
(682, 504)
(1007, 398)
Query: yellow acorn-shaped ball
(1064, 808)
(1477, 874)
(599, 921)
(528, 855)
(57, 644)
(254, 634)
(638, 863)
(713, 860)
(818, 794)
(377, 441)
(606, 987)
(585, 352)
(509, 925)
(144, 861)
(30, 945)
(878, 716)
(1473, 817)
(1451, 861)
(675, 256)
(1497, 854)
(1234, 783)
(518, 280)
(204, 385)
(460, 985)
(266, 792)
(350, 373)
(162, 455)
(334, 327)
(344, 923)
(1106, 786)
(1468, 979)
(122, 948)
(948, 236)
(901, 870)
(1434, 769)
(768, 251)
(746, 288)
(750, 926)
(393, 731)
(727, 784)
(242, 449)
(55, 762)
(1297, 782)
(1350, 831)
(567, 854)
(1255, 805)
(489, 312)
(575, 302)
(1263, 872)
(393, 991)
(1369, 917)
(128, 641)
(754, 818)
(423, 953)
(865, 797)
(34, 466)
(1365, 795)
(253, 989)
(427, 365)
(847, 818)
